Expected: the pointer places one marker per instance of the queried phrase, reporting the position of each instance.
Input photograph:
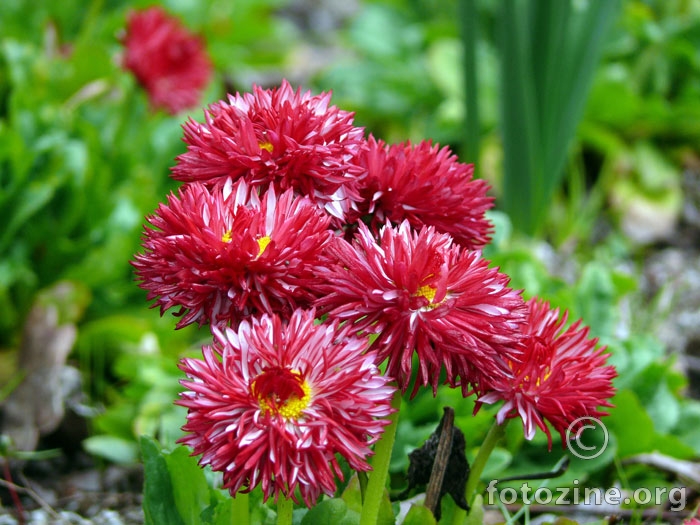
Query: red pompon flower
(420, 293)
(280, 136)
(562, 376)
(426, 186)
(223, 254)
(167, 60)
(272, 405)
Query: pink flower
(426, 186)
(419, 293)
(225, 254)
(561, 377)
(280, 136)
(168, 61)
(272, 405)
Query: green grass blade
(469, 29)
(519, 125)
(549, 51)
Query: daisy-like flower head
(169, 62)
(280, 136)
(421, 294)
(272, 404)
(425, 185)
(220, 255)
(562, 376)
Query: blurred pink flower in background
(169, 62)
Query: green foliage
(159, 503)
(352, 496)
(331, 512)
(402, 78)
(83, 160)
(176, 490)
(549, 51)
(419, 515)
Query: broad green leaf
(688, 429)
(419, 515)
(112, 448)
(634, 430)
(633, 427)
(159, 505)
(190, 489)
(332, 511)
(595, 300)
(353, 498)
(476, 512)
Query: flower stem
(284, 511)
(380, 467)
(240, 511)
(495, 433)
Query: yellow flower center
(290, 409)
(226, 237)
(267, 146)
(262, 244)
(426, 291)
(546, 375)
(281, 391)
(429, 293)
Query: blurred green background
(583, 115)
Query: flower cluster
(318, 257)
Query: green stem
(380, 467)
(284, 511)
(240, 511)
(362, 479)
(495, 433)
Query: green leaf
(35, 196)
(332, 511)
(353, 498)
(595, 299)
(159, 505)
(498, 461)
(631, 424)
(112, 448)
(549, 50)
(634, 430)
(663, 407)
(476, 513)
(688, 429)
(419, 515)
(190, 488)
